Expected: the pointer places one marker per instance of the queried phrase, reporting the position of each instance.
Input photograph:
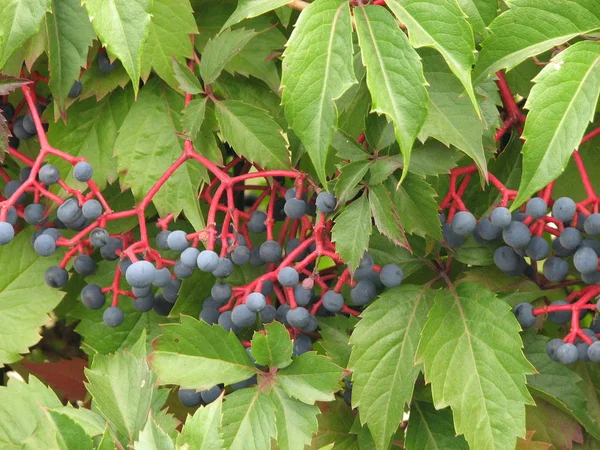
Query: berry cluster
(282, 224)
(558, 232)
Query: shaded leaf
(352, 230)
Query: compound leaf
(386, 215)
(202, 430)
(296, 422)
(417, 208)
(252, 8)
(220, 50)
(273, 348)
(431, 429)
(352, 231)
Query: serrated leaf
(193, 117)
(434, 158)
(522, 31)
(335, 427)
(8, 83)
(107, 442)
(168, 36)
(386, 215)
(394, 74)
(70, 34)
(25, 299)
(417, 207)
(296, 422)
(202, 430)
(335, 336)
(452, 119)
(252, 8)
(273, 348)
(383, 357)
(196, 355)
(98, 84)
(253, 133)
(57, 430)
(35, 46)
(256, 58)
(450, 34)
(19, 21)
(431, 429)
(310, 378)
(91, 132)
(122, 387)
(556, 383)
(20, 408)
(147, 146)
(479, 14)
(317, 69)
(379, 132)
(349, 178)
(192, 293)
(248, 420)
(220, 50)
(347, 147)
(481, 377)
(352, 230)
(561, 105)
(92, 422)
(122, 26)
(553, 426)
(187, 80)
(152, 437)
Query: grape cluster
(280, 232)
(542, 240)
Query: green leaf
(310, 378)
(335, 424)
(107, 442)
(349, 178)
(147, 146)
(431, 429)
(186, 79)
(122, 387)
(25, 299)
(21, 409)
(433, 158)
(220, 50)
(317, 69)
(91, 133)
(385, 213)
(452, 119)
(352, 230)
(57, 430)
(379, 132)
(561, 105)
(552, 425)
(202, 430)
(383, 357)
(479, 375)
(168, 37)
(34, 47)
(70, 34)
(557, 384)
(247, 422)
(590, 379)
(153, 437)
(417, 207)
(394, 74)
(252, 8)
(196, 355)
(479, 14)
(19, 21)
(192, 294)
(99, 84)
(296, 422)
(92, 422)
(122, 25)
(335, 335)
(193, 117)
(450, 34)
(253, 133)
(346, 147)
(522, 31)
(273, 348)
